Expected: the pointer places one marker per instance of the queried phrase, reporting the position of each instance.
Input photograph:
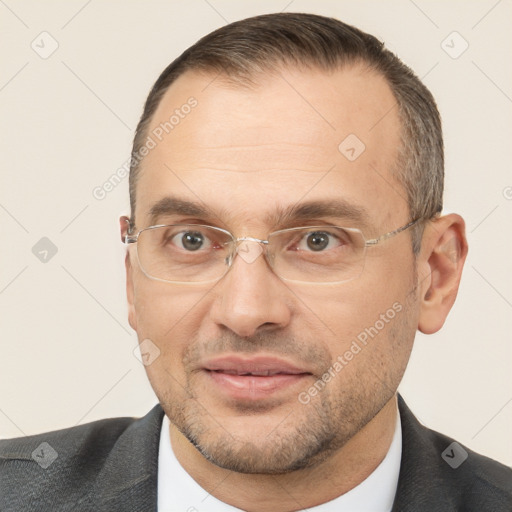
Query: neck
(342, 471)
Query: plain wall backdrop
(73, 79)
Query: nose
(250, 297)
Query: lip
(253, 378)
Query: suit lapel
(422, 484)
(128, 479)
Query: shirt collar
(179, 492)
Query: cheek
(170, 317)
(369, 341)
(372, 315)
(163, 308)
(342, 313)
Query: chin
(250, 458)
(260, 443)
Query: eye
(318, 241)
(191, 240)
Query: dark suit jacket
(111, 466)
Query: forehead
(294, 135)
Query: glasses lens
(183, 253)
(322, 254)
(196, 253)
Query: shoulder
(438, 468)
(62, 467)
(484, 483)
(93, 441)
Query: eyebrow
(333, 208)
(171, 205)
(304, 211)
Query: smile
(253, 378)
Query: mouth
(254, 378)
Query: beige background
(66, 126)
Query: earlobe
(442, 255)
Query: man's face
(245, 154)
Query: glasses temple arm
(375, 241)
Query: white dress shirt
(179, 492)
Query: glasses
(196, 253)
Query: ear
(124, 224)
(443, 253)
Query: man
(285, 243)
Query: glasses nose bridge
(245, 252)
(238, 242)
(249, 239)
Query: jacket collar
(128, 479)
(424, 483)
(129, 476)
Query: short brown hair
(241, 50)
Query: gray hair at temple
(240, 52)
